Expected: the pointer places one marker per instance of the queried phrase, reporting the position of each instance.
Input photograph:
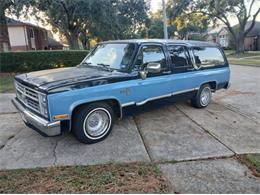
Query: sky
(156, 5)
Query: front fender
(90, 100)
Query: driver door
(156, 85)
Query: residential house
(252, 40)
(25, 36)
(221, 36)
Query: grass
(231, 53)
(113, 178)
(6, 83)
(246, 62)
(248, 58)
(252, 161)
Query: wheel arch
(115, 103)
(212, 84)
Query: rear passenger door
(183, 71)
(180, 59)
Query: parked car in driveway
(87, 99)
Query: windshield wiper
(107, 66)
(86, 63)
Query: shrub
(39, 60)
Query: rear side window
(208, 56)
(179, 56)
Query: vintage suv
(88, 98)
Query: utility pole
(164, 20)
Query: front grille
(29, 97)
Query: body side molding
(158, 97)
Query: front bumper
(37, 123)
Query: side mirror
(143, 74)
(153, 67)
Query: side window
(208, 56)
(150, 53)
(179, 56)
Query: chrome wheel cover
(205, 96)
(97, 123)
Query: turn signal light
(61, 116)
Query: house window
(31, 33)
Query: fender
(104, 98)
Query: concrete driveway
(165, 134)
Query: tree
(186, 22)
(5, 5)
(4, 38)
(222, 10)
(154, 26)
(187, 25)
(84, 36)
(117, 19)
(65, 16)
(102, 19)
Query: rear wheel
(93, 122)
(203, 97)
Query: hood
(55, 78)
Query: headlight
(43, 104)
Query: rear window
(208, 56)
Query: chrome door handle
(166, 72)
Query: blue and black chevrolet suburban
(88, 98)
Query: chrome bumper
(39, 124)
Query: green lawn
(231, 53)
(246, 62)
(6, 84)
(248, 58)
(113, 178)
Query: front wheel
(93, 122)
(203, 97)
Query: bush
(39, 60)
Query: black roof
(255, 30)
(54, 43)
(164, 41)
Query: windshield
(111, 56)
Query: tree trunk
(85, 42)
(4, 36)
(240, 47)
(73, 41)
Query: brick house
(25, 36)
(221, 36)
(252, 40)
